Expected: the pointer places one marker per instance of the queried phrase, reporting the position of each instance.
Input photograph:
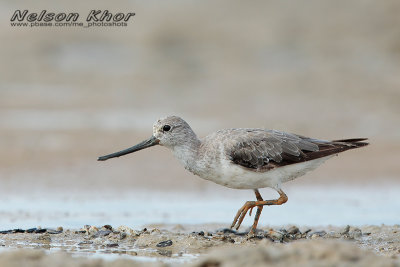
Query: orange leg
(249, 205)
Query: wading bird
(243, 158)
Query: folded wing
(262, 150)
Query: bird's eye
(166, 128)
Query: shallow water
(306, 206)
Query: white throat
(187, 154)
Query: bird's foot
(237, 221)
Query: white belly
(235, 176)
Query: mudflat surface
(180, 245)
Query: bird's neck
(187, 153)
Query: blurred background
(325, 69)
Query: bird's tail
(354, 142)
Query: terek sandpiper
(243, 158)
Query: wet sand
(211, 246)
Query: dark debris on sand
(38, 230)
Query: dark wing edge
(335, 147)
(273, 149)
(353, 140)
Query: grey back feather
(255, 148)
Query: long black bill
(152, 141)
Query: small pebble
(92, 230)
(53, 232)
(317, 234)
(86, 242)
(108, 227)
(127, 230)
(275, 235)
(111, 245)
(102, 233)
(293, 230)
(166, 243)
(356, 233)
(201, 233)
(122, 235)
(345, 230)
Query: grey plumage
(263, 150)
(254, 148)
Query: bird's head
(170, 132)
